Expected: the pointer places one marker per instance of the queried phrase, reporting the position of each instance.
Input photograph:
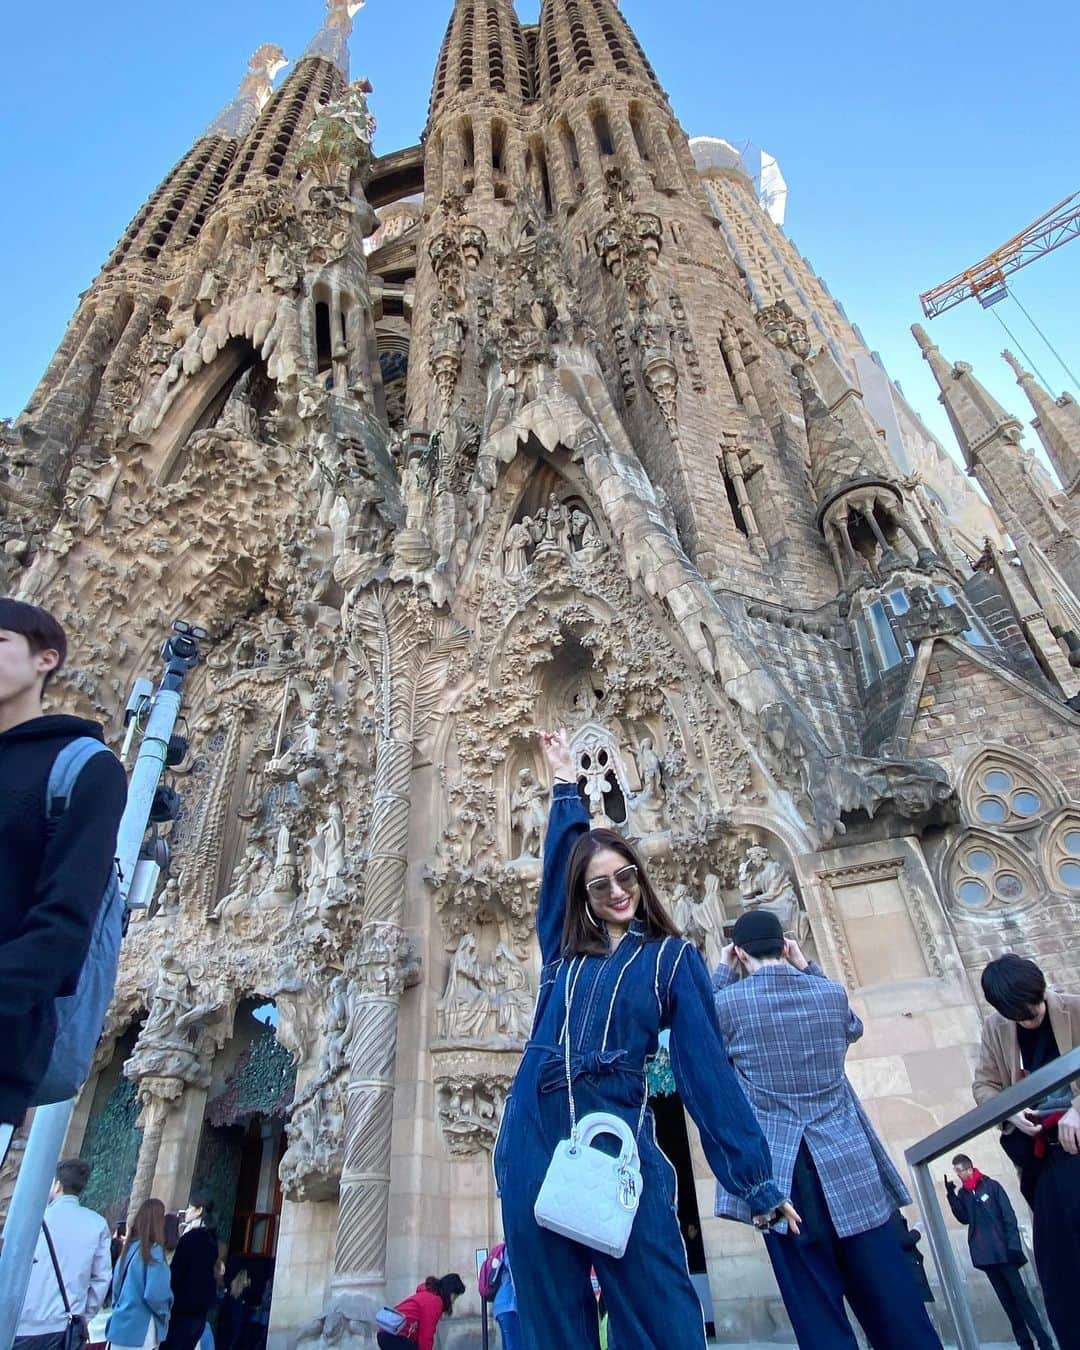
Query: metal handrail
(1033, 1089)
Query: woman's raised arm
(567, 822)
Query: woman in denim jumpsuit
(619, 1003)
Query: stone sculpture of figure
(556, 525)
(169, 1043)
(702, 920)
(340, 517)
(415, 488)
(515, 548)
(592, 543)
(465, 1008)
(337, 1032)
(767, 884)
(280, 890)
(237, 418)
(528, 810)
(648, 805)
(579, 522)
(247, 882)
(326, 884)
(513, 998)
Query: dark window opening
(498, 147)
(602, 128)
(324, 357)
(736, 506)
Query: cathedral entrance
(240, 1150)
(674, 1141)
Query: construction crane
(986, 280)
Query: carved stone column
(157, 1097)
(409, 652)
(365, 1180)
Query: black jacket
(993, 1235)
(51, 890)
(194, 1283)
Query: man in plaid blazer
(787, 1029)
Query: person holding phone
(982, 1206)
(1032, 1025)
(787, 1029)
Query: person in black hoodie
(194, 1276)
(53, 879)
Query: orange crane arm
(986, 280)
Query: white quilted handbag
(589, 1196)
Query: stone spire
(990, 439)
(332, 40)
(579, 37)
(976, 416)
(238, 117)
(1057, 422)
(846, 449)
(483, 51)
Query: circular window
(972, 892)
(1069, 872)
(979, 860)
(997, 780)
(1026, 803)
(992, 810)
(1008, 885)
(1072, 842)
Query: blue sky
(914, 138)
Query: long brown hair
(147, 1229)
(581, 937)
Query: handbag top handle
(569, 990)
(56, 1266)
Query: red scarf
(972, 1181)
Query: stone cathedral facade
(504, 431)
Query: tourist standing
(994, 1243)
(787, 1030)
(615, 972)
(141, 1290)
(504, 1306)
(194, 1276)
(71, 1270)
(423, 1311)
(1030, 1027)
(54, 870)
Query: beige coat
(999, 1064)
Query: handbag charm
(589, 1196)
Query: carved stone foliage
(630, 241)
(472, 1089)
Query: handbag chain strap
(569, 990)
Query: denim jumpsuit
(619, 1005)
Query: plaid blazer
(787, 1034)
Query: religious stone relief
(765, 883)
(487, 1001)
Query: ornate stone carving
(767, 884)
(528, 807)
(470, 1111)
(701, 918)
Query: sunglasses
(600, 888)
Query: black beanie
(757, 932)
